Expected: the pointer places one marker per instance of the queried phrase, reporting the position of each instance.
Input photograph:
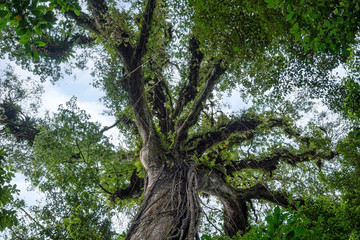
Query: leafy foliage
(318, 220)
(8, 216)
(321, 25)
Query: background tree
(164, 66)
(7, 213)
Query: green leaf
(339, 20)
(3, 13)
(77, 12)
(346, 53)
(3, 22)
(21, 31)
(205, 237)
(327, 23)
(41, 44)
(289, 16)
(295, 28)
(41, 8)
(26, 36)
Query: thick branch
(234, 200)
(270, 163)
(182, 130)
(235, 208)
(145, 30)
(158, 96)
(135, 189)
(260, 191)
(189, 91)
(133, 82)
(99, 10)
(134, 85)
(61, 49)
(112, 32)
(201, 143)
(84, 20)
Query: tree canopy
(278, 169)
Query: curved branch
(61, 49)
(133, 82)
(234, 200)
(211, 80)
(135, 189)
(223, 132)
(261, 191)
(189, 91)
(84, 20)
(235, 208)
(145, 30)
(270, 163)
(114, 33)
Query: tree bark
(170, 209)
(235, 216)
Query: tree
(162, 66)
(8, 217)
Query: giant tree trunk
(170, 209)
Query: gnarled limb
(135, 189)
(261, 191)
(188, 92)
(61, 49)
(248, 127)
(133, 82)
(201, 143)
(134, 85)
(84, 20)
(235, 208)
(211, 80)
(235, 200)
(270, 162)
(140, 49)
(116, 35)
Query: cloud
(31, 197)
(87, 100)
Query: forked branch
(211, 80)
(188, 92)
(115, 34)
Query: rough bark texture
(171, 207)
(235, 216)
